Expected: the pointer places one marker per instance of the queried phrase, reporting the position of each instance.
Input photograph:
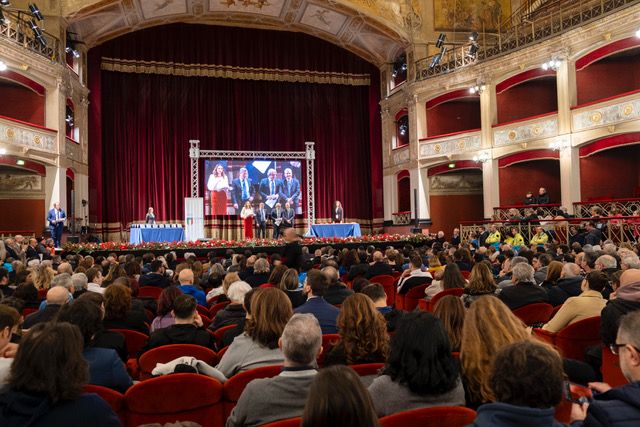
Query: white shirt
(94, 287)
(5, 366)
(414, 273)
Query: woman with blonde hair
(480, 283)
(41, 276)
(363, 334)
(482, 340)
(247, 215)
(258, 346)
(290, 285)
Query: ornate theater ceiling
(376, 30)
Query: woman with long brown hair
(118, 313)
(258, 346)
(480, 283)
(290, 285)
(488, 326)
(451, 311)
(363, 334)
(276, 275)
(115, 271)
(452, 278)
(553, 274)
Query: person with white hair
(261, 273)
(234, 313)
(630, 261)
(80, 283)
(524, 291)
(271, 399)
(568, 285)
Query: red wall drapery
(140, 124)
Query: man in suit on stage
(56, 218)
(288, 216)
(270, 189)
(290, 192)
(261, 221)
(277, 215)
(242, 189)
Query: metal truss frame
(195, 154)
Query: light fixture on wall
(477, 89)
(20, 162)
(553, 64)
(3, 151)
(638, 34)
(3, 66)
(482, 157)
(560, 144)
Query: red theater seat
(182, 397)
(388, 283)
(202, 310)
(216, 308)
(218, 333)
(532, 314)
(440, 416)
(573, 340)
(367, 369)
(135, 341)
(167, 353)
(328, 341)
(149, 292)
(431, 304)
(234, 387)
(410, 300)
(114, 399)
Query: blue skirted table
(335, 230)
(145, 233)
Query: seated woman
(588, 304)
(233, 313)
(482, 340)
(481, 283)
(290, 284)
(363, 334)
(118, 313)
(450, 310)
(420, 372)
(46, 380)
(452, 278)
(105, 367)
(258, 346)
(276, 275)
(164, 319)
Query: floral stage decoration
(415, 239)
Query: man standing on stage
(288, 216)
(277, 217)
(290, 189)
(56, 218)
(270, 189)
(261, 222)
(242, 189)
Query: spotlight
(473, 37)
(638, 34)
(394, 73)
(404, 66)
(441, 38)
(37, 32)
(403, 129)
(477, 89)
(36, 12)
(20, 162)
(5, 3)
(3, 66)
(473, 51)
(554, 65)
(3, 151)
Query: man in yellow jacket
(540, 238)
(494, 236)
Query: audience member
(413, 276)
(594, 235)
(450, 310)
(337, 398)
(451, 279)
(105, 366)
(186, 282)
(554, 272)
(568, 285)
(276, 275)
(290, 285)
(527, 382)
(260, 275)
(233, 313)
(258, 346)
(156, 277)
(46, 380)
(481, 342)
(337, 291)
(9, 323)
(272, 399)
(524, 291)
(480, 283)
(28, 294)
(104, 338)
(164, 317)
(41, 276)
(363, 334)
(588, 304)
(316, 287)
(187, 328)
(94, 278)
(625, 300)
(56, 297)
(375, 291)
(618, 406)
(118, 311)
(420, 371)
(378, 267)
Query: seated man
(271, 399)
(378, 267)
(528, 398)
(523, 291)
(569, 285)
(413, 276)
(187, 329)
(618, 406)
(56, 297)
(156, 277)
(185, 278)
(337, 291)
(233, 313)
(315, 287)
(375, 291)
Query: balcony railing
(608, 207)
(529, 129)
(16, 30)
(507, 213)
(606, 112)
(518, 33)
(23, 134)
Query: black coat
(297, 298)
(610, 318)
(543, 199)
(593, 237)
(180, 334)
(292, 254)
(337, 293)
(379, 269)
(45, 315)
(257, 279)
(112, 340)
(618, 407)
(232, 314)
(134, 320)
(522, 294)
(565, 289)
(154, 279)
(505, 415)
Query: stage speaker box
(73, 239)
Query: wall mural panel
(483, 15)
(456, 183)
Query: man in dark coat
(524, 291)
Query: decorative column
(569, 155)
(417, 177)
(490, 171)
(55, 189)
(389, 195)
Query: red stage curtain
(140, 124)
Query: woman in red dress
(218, 184)
(247, 215)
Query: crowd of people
(279, 307)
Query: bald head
(186, 277)
(570, 269)
(65, 267)
(58, 295)
(378, 256)
(629, 277)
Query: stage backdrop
(233, 89)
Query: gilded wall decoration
(456, 183)
(483, 15)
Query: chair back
(135, 341)
(202, 310)
(555, 310)
(114, 399)
(266, 285)
(532, 314)
(563, 409)
(235, 385)
(328, 342)
(218, 333)
(167, 353)
(367, 369)
(291, 422)
(573, 340)
(206, 320)
(611, 372)
(437, 297)
(184, 397)
(149, 292)
(216, 308)
(409, 301)
(465, 273)
(28, 311)
(213, 300)
(441, 416)
(42, 293)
